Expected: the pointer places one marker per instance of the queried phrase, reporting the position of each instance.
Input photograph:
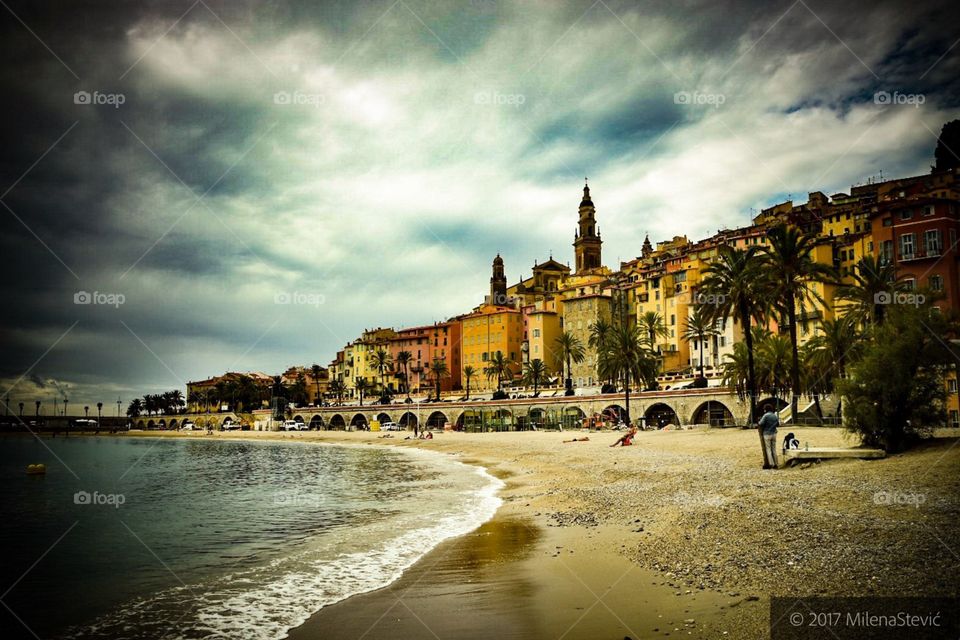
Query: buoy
(36, 469)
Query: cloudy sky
(248, 185)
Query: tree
(99, 413)
(699, 327)
(404, 358)
(789, 255)
(947, 154)
(135, 408)
(438, 369)
(361, 386)
(468, 372)
(739, 288)
(338, 388)
(894, 394)
(629, 360)
(316, 370)
(874, 284)
(86, 410)
(535, 373)
(37, 405)
(382, 360)
(828, 353)
(571, 351)
(652, 327)
(499, 368)
(599, 334)
(176, 400)
(21, 410)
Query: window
(906, 246)
(906, 214)
(888, 222)
(954, 418)
(536, 333)
(886, 251)
(932, 239)
(952, 385)
(936, 282)
(928, 210)
(909, 284)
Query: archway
(660, 415)
(316, 422)
(173, 423)
(536, 419)
(408, 421)
(573, 417)
(470, 420)
(501, 420)
(337, 422)
(713, 413)
(359, 421)
(150, 424)
(162, 424)
(140, 424)
(614, 413)
(437, 420)
(383, 417)
(295, 419)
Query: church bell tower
(586, 240)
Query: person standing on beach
(768, 426)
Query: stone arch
(660, 414)
(140, 424)
(383, 416)
(573, 417)
(150, 424)
(437, 420)
(408, 420)
(713, 413)
(316, 421)
(536, 418)
(614, 413)
(359, 421)
(337, 422)
(470, 420)
(173, 423)
(298, 418)
(162, 423)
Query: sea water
(190, 538)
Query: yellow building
(542, 325)
(491, 329)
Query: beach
(680, 534)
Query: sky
(195, 187)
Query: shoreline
(701, 532)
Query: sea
(129, 537)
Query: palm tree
(382, 361)
(699, 327)
(571, 351)
(829, 352)
(316, 370)
(361, 386)
(629, 360)
(468, 372)
(438, 369)
(193, 398)
(873, 282)
(21, 411)
(739, 288)
(86, 411)
(404, 358)
(652, 327)
(100, 413)
(338, 388)
(135, 408)
(789, 255)
(176, 400)
(773, 361)
(37, 405)
(65, 406)
(535, 373)
(499, 368)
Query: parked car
(83, 423)
(390, 426)
(290, 425)
(188, 425)
(230, 425)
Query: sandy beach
(681, 534)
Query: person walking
(768, 427)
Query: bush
(894, 394)
(699, 383)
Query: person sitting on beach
(626, 439)
(790, 442)
(584, 439)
